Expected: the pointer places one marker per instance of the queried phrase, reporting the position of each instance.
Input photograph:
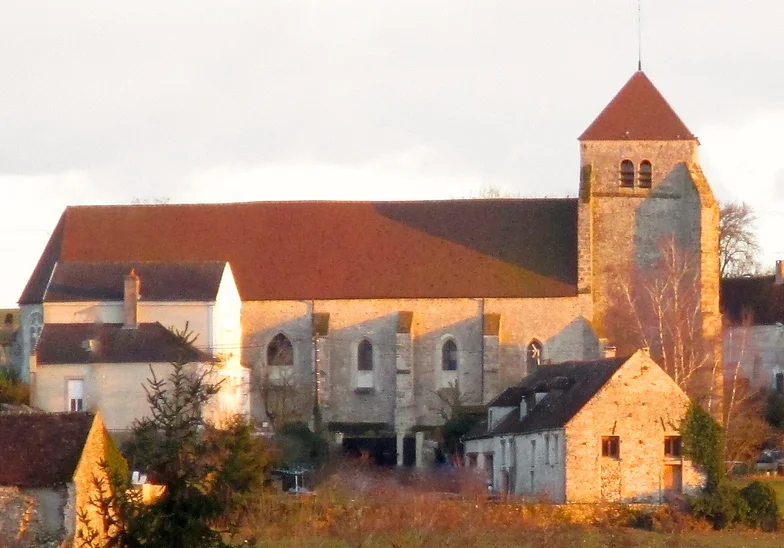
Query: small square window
(672, 446)
(611, 446)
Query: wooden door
(673, 478)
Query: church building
(371, 311)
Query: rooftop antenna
(639, 34)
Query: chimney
(131, 300)
(779, 272)
(608, 350)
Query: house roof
(338, 250)
(41, 449)
(756, 298)
(159, 281)
(568, 386)
(638, 112)
(68, 343)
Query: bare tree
(450, 401)
(738, 245)
(659, 307)
(160, 200)
(284, 395)
(493, 192)
(745, 427)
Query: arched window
(533, 353)
(449, 356)
(627, 174)
(280, 351)
(9, 319)
(646, 174)
(365, 356)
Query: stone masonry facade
(491, 336)
(641, 405)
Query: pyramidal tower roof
(637, 113)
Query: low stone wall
(31, 517)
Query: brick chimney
(779, 272)
(131, 300)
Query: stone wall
(627, 227)
(88, 471)
(641, 405)
(30, 517)
(627, 224)
(558, 323)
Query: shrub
(12, 389)
(299, 445)
(722, 506)
(455, 428)
(763, 509)
(702, 443)
(774, 412)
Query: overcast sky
(106, 101)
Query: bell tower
(640, 186)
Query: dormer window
(646, 174)
(627, 174)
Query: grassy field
(377, 513)
(564, 537)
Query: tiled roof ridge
(144, 262)
(315, 201)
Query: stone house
(601, 430)
(753, 340)
(49, 462)
(103, 330)
(373, 308)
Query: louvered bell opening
(627, 174)
(646, 174)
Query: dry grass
(366, 508)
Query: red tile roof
(753, 298)
(41, 449)
(637, 113)
(65, 343)
(339, 250)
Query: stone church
(376, 308)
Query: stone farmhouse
(754, 335)
(105, 326)
(373, 308)
(605, 430)
(45, 484)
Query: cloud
(350, 99)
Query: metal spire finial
(639, 34)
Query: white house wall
(116, 390)
(548, 479)
(226, 321)
(758, 349)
